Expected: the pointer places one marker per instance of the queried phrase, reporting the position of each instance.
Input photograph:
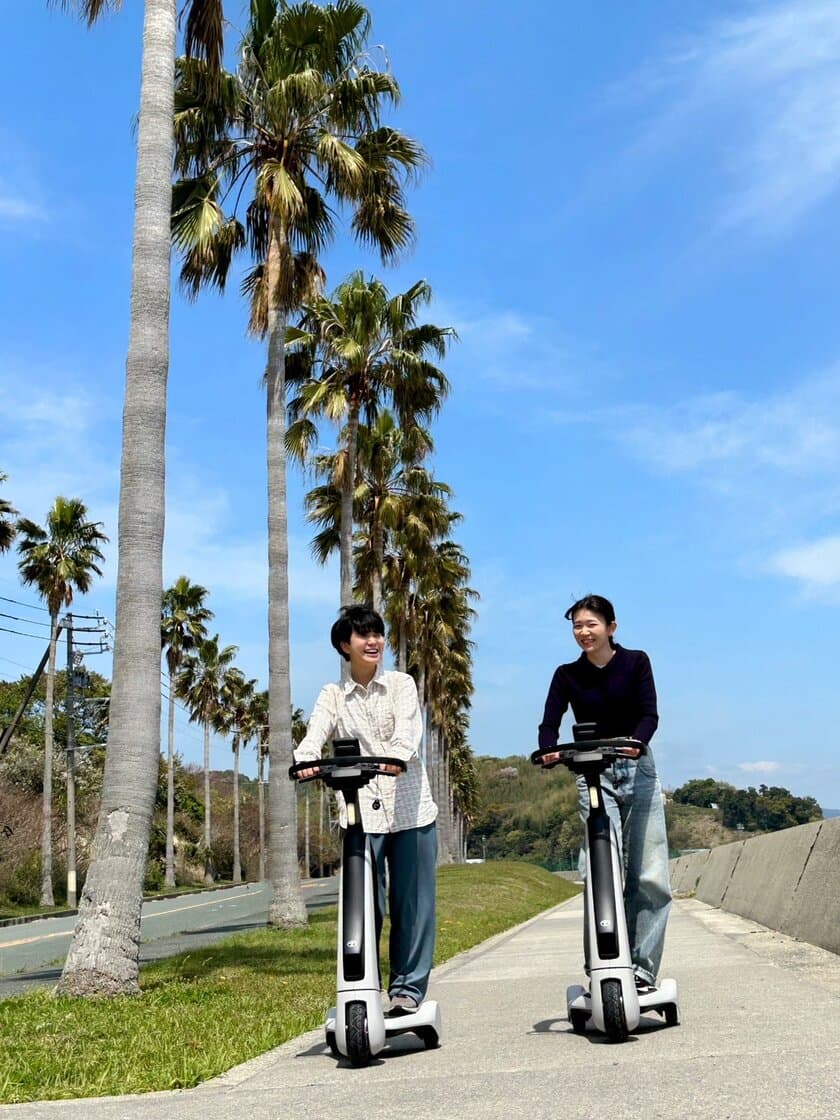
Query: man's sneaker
(402, 1005)
(644, 987)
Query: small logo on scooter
(351, 944)
(605, 923)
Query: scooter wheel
(356, 1032)
(615, 1023)
(333, 1045)
(578, 1021)
(672, 1015)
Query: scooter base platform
(425, 1022)
(663, 1000)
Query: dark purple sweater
(620, 698)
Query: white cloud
(759, 767)
(513, 351)
(815, 565)
(20, 210)
(761, 86)
(794, 432)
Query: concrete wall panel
(765, 878)
(814, 915)
(717, 872)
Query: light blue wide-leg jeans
(633, 799)
(410, 858)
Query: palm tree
(297, 132)
(369, 350)
(7, 524)
(393, 492)
(199, 685)
(183, 624)
(235, 699)
(57, 560)
(104, 954)
(256, 727)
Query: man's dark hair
(359, 619)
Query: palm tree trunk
(306, 851)
(378, 554)
(47, 898)
(261, 804)
(348, 485)
(287, 906)
(208, 832)
(402, 654)
(237, 862)
(104, 954)
(170, 789)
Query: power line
(20, 634)
(29, 621)
(29, 606)
(38, 607)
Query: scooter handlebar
(584, 750)
(327, 767)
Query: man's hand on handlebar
(309, 773)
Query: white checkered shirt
(385, 718)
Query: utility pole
(71, 766)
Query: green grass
(203, 1012)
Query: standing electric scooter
(357, 1027)
(611, 1001)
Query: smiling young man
(380, 708)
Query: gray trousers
(410, 860)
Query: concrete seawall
(788, 880)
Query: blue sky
(631, 219)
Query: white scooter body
(357, 1028)
(611, 1002)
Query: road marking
(163, 914)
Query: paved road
(759, 1040)
(32, 953)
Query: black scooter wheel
(356, 1031)
(578, 1021)
(615, 1022)
(672, 1015)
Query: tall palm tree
(183, 624)
(365, 349)
(58, 560)
(235, 699)
(104, 956)
(7, 523)
(199, 685)
(256, 727)
(293, 136)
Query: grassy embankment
(203, 1012)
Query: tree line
(269, 160)
(766, 809)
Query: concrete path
(759, 1040)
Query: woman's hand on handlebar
(549, 759)
(631, 752)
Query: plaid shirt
(385, 718)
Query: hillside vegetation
(529, 814)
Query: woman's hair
(597, 604)
(357, 619)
